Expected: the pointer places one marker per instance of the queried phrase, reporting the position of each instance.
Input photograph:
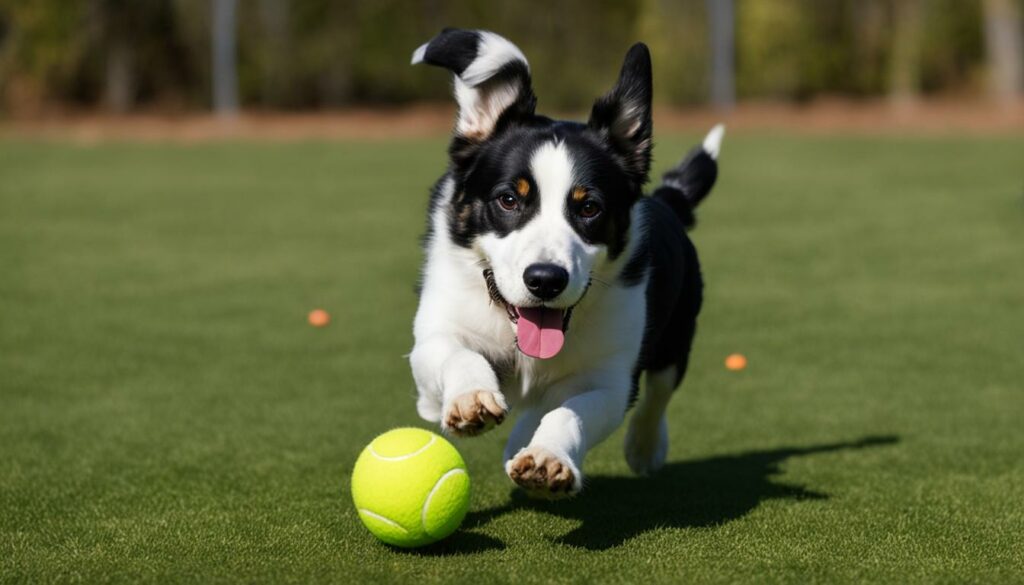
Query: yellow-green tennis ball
(410, 487)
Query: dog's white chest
(601, 347)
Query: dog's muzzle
(540, 331)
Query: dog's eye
(589, 209)
(508, 201)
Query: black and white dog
(551, 281)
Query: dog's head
(546, 204)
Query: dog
(551, 282)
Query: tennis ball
(410, 487)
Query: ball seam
(383, 519)
(402, 457)
(433, 490)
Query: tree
(905, 63)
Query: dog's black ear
(492, 80)
(623, 116)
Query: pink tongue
(539, 332)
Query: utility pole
(225, 69)
(722, 23)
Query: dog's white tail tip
(419, 53)
(713, 141)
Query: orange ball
(736, 362)
(319, 318)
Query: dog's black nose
(546, 281)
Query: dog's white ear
(492, 79)
(623, 116)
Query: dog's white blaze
(547, 237)
(552, 169)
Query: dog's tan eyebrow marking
(579, 193)
(523, 187)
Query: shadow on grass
(460, 543)
(703, 492)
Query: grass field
(167, 415)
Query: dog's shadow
(702, 492)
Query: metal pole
(225, 70)
(722, 20)
(1004, 42)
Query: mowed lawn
(166, 414)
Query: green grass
(167, 415)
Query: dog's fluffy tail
(688, 183)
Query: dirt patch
(844, 116)
(823, 116)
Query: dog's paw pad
(543, 474)
(475, 412)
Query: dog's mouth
(540, 331)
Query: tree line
(301, 54)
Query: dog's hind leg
(646, 444)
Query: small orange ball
(736, 362)
(319, 318)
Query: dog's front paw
(543, 474)
(474, 412)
